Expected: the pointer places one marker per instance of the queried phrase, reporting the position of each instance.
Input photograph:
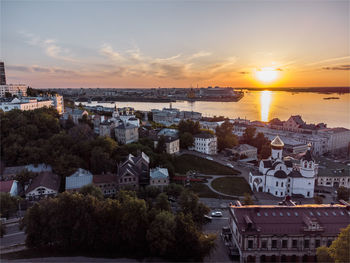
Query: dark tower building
(2, 74)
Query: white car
(209, 158)
(216, 214)
(229, 165)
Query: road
(14, 236)
(220, 254)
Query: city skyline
(175, 44)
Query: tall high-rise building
(2, 73)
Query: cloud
(341, 67)
(50, 47)
(199, 55)
(328, 60)
(38, 69)
(107, 50)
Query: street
(220, 254)
(13, 237)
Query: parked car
(209, 158)
(216, 214)
(229, 165)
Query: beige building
(172, 144)
(25, 104)
(159, 177)
(127, 133)
(13, 89)
(245, 150)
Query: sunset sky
(175, 43)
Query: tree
(174, 190)
(225, 137)
(24, 178)
(92, 190)
(323, 255)
(340, 248)
(265, 151)
(318, 199)
(162, 202)
(161, 146)
(343, 193)
(160, 234)
(186, 140)
(8, 204)
(249, 134)
(248, 200)
(8, 95)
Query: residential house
(46, 184)
(159, 177)
(107, 183)
(9, 173)
(126, 133)
(10, 187)
(77, 180)
(172, 144)
(205, 143)
(133, 172)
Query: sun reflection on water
(265, 102)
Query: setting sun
(267, 74)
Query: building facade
(205, 143)
(19, 90)
(159, 177)
(281, 178)
(285, 233)
(127, 133)
(44, 185)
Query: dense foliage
(33, 137)
(257, 140)
(225, 137)
(127, 226)
(339, 251)
(8, 204)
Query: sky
(141, 44)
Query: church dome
(277, 142)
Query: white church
(279, 177)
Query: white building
(44, 185)
(280, 178)
(338, 138)
(33, 103)
(159, 177)
(13, 89)
(205, 143)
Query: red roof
(45, 179)
(289, 220)
(104, 178)
(5, 186)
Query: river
(264, 106)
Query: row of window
(284, 244)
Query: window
(306, 243)
(250, 243)
(264, 244)
(308, 193)
(294, 243)
(276, 183)
(282, 184)
(276, 193)
(317, 243)
(284, 243)
(274, 243)
(329, 242)
(273, 213)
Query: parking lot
(220, 254)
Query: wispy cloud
(39, 69)
(107, 50)
(200, 54)
(328, 60)
(50, 47)
(341, 67)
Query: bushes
(123, 227)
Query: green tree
(323, 255)
(225, 137)
(249, 134)
(186, 140)
(92, 190)
(189, 203)
(248, 200)
(162, 202)
(8, 204)
(8, 95)
(160, 235)
(161, 146)
(174, 190)
(265, 151)
(340, 248)
(343, 193)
